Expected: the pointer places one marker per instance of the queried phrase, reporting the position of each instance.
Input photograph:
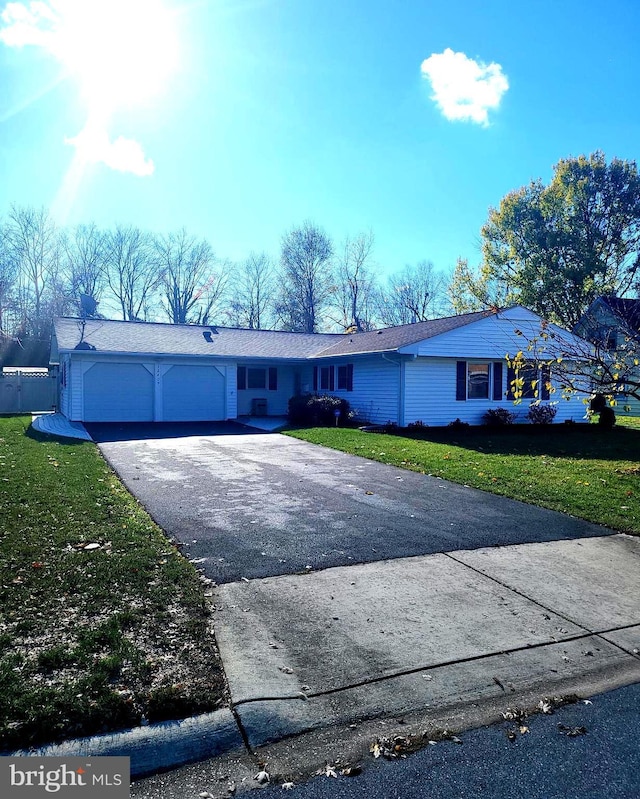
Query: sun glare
(120, 51)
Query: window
(478, 381)
(532, 380)
(345, 377)
(326, 378)
(257, 378)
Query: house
(613, 325)
(434, 371)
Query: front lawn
(103, 623)
(582, 470)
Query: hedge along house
(434, 371)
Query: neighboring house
(435, 371)
(612, 323)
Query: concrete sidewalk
(428, 633)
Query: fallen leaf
(286, 669)
(287, 786)
(545, 706)
(351, 771)
(571, 732)
(262, 777)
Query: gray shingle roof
(393, 338)
(628, 310)
(162, 338)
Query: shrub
(458, 424)
(607, 418)
(417, 425)
(317, 409)
(542, 414)
(498, 417)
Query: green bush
(317, 410)
(498, 417)
(458, 424)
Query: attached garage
(118, 392)
(193, 393)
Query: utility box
(258, 406)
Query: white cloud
(123, 155)
(464, 89)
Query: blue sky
(239, 119)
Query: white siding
(430, 396)
(65, 391)
(277, 401)
(492, 337)
(376, 388)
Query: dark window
(256, 378)
(326, 378)
(273, 378)
(532, 381)
(345, 377)
(242, 378)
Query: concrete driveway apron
(350, 589)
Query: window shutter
(461, 381)
(545, 377)
(332, 377)
(242, 378)
(497, 381)
(511, 376)
(273, 378)
(315, 378)
(349, 377)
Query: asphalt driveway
(245, 504)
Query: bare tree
(415, 294)
(306, 277)
(354, 294)
(34, 244)
(189, 284)
(85, 261)
(253, 292)
(8, 277)
(131, 272)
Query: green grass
(581, 470)
(91, 639)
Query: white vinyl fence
(27, 391)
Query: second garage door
(193, 394)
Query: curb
(158, 747)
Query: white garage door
(118, 392)
(193, 394)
